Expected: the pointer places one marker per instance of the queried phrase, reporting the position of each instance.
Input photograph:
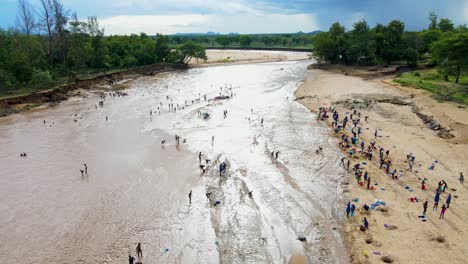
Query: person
(139, 252)
(85, 168)
(190, 197)
(82, 171)
(44, 122)
(130, 259)
(348, 209)
(423, 184)
(366, 207)
(442, 212)
(461, 178)
(436, 200)
(347, 165)
(199, 157)
(276, 155)
(250, 194)
(366, 223)
(449, 200)
(342, 161)
(212, 140)
(208, 195)
(353, 208)
(368, 182)
(375, 134)
(425, 207)
(106, 119)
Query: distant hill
(197, 34)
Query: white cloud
(248, 22)
(121, 25)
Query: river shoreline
(402, 131)
(111, 81)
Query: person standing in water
(85, 168)
(199, 157)
(190, 197)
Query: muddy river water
(137, 191)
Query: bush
(41, 77)
(417, 74)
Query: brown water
(136, 191)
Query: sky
(244, 16)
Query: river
(137, 190)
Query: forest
(441, 44)
(50, 45)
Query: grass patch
(431, 80)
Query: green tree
(445, 25)
(361, 45)
(433, 18)
(393, 46)
(427, 38)
(162, 48)
(190, 50)
(451, 53)
(223, 40)
(245, 40)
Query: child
(442, 212)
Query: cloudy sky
(244, 16)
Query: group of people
(351, 144)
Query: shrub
(41, 77)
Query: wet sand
(136, 191)
(400, 130)
(235, 57)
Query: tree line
(297, 40)
(49, 42)
(442, 43)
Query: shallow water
(136, 190)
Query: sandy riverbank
(401, 131)
(230, 57)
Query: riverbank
(115, 80)
(396, 233)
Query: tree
(445, 25)
(25, 17)
(433, 18)
(190, 50)
(393, 43)
(223, 40)
(97, 44)
(60, 31)
(245, 40)
(451, 52)
(411, 56)
(361, 46)
(47, 23)
(428, 37)
(162, 48)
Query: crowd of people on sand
(353, 144)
